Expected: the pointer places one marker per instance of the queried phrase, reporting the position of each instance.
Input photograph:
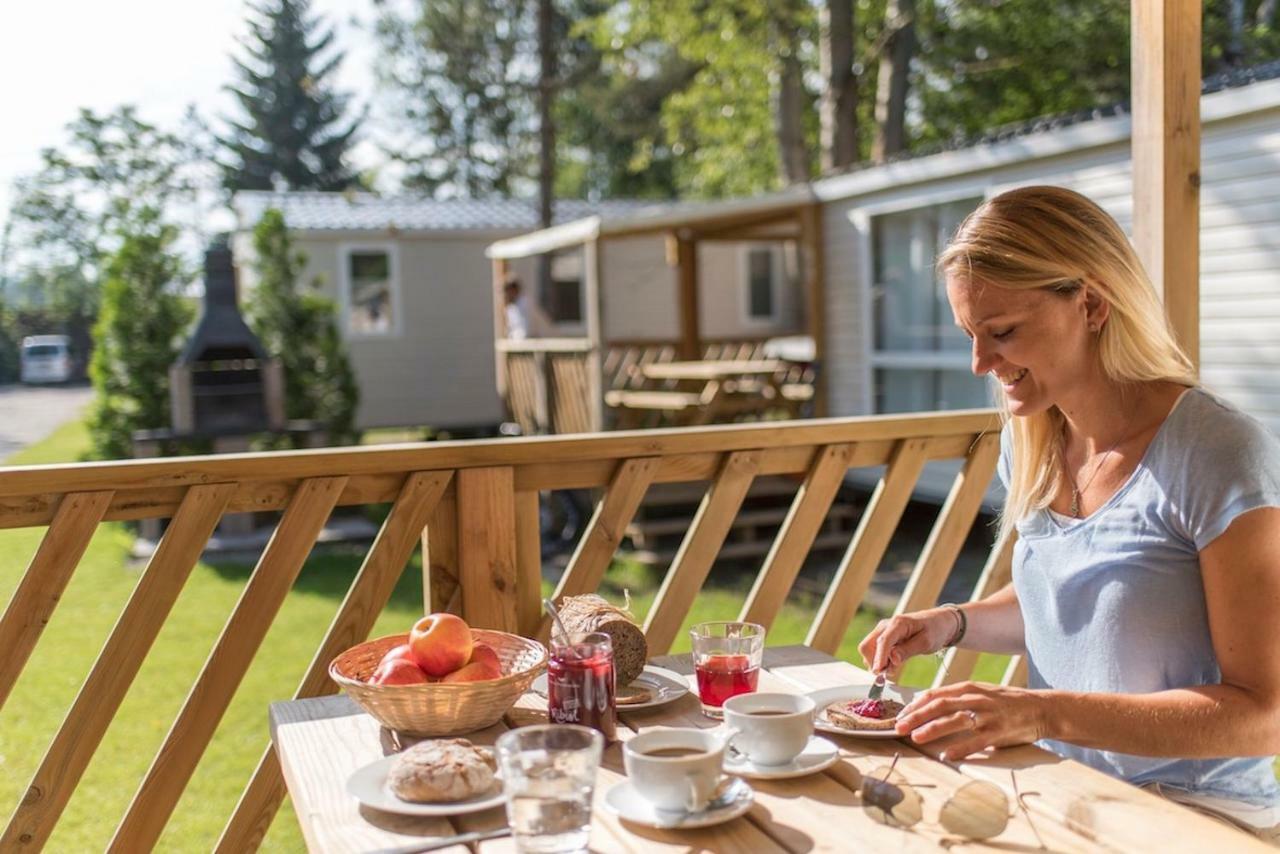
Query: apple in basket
(398, 671)
(441, 643)
(484, 665)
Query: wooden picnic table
(706, 391)
(712, 369)
(321, 741)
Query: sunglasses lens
(891, 801)
(978, 810)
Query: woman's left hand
(985, 715)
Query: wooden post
(487, 547)
(812, 258)
(500, 268)
(687, 273)
(591, 266)
(440, 587)
(1165, 74)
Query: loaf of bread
(442, 770)
(592, 613)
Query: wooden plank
(952, 527)
(112, 674)
(499, 278)
(593, 273)
(1165, 73)
(1015, 673)
(214, 688)
(528, 563)
(811, 219)
(698, 551)
(604, 532)
(29, 482)
(687, 282)
(44, 581)
(958, 664)
(440, 556)
(796, 536)
(868, 545)
(487, 547)
(368, 595)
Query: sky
(57, 56)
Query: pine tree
(301, 330)
(293, 132)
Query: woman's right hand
(893, 641)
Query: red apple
(399, 652)
(441, 643)
(476, 671)
(398, 671)
(482, 652)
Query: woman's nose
(983, 358)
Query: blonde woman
(1146, 577)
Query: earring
(1093, 327)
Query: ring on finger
(973, 718)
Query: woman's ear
(1096, 308)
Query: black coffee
(673, 752)
(766, 713)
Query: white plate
(827, 696)
(368, 785)
(665, 684)
(817, 755)
(625, 802)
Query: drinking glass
(580, 682)
(726, 660)
(549, 775)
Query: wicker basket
(438, 709)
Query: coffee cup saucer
(626, 802)
(817, 755)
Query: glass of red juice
(726, 660)
(580, 682)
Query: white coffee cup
(675, 769)
(769, 729)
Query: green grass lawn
(98, 592)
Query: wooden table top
(322, 741)
(710, 369)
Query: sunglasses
(977, 810)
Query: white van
(46, 359)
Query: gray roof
(315, 211)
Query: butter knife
(878, 688)
(447, 841)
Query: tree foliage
(137, 336)
(300, 329)
(293, 131)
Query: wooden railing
(476, 507)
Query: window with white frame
(563, 300)
(371, 290)
(760, 285)
(920, 359)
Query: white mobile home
(413, 287)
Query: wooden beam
(487, 547)
(687, 274)
(1165, 74)
(500, 268)
(594, 310)
(813, 266)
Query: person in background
(524, 319)
(1146, 571)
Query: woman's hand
(893, 641)
(984, 715)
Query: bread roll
(442, 770)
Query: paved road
(29, 413)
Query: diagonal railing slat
(46, 578)
(799, 529)
(868, 545)
(698, 550)
(958, 664)
(604, 532)
(216, 685)
(112, 674)
(952, 526)
(369, 593)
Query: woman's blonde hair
(1056, 239)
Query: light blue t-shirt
(1115, 603)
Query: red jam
(869, 709)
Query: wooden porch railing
(475, 506)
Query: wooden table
(322, 741)
(704, 391)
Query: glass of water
(549, 775)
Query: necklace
(1077, 490)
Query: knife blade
(878, 688)
(447, 841)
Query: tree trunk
(789, 110)
(1266, 14)
(891, 88)
(546, 135)
(839, 110)
(1234, 54)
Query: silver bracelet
(961, 627)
